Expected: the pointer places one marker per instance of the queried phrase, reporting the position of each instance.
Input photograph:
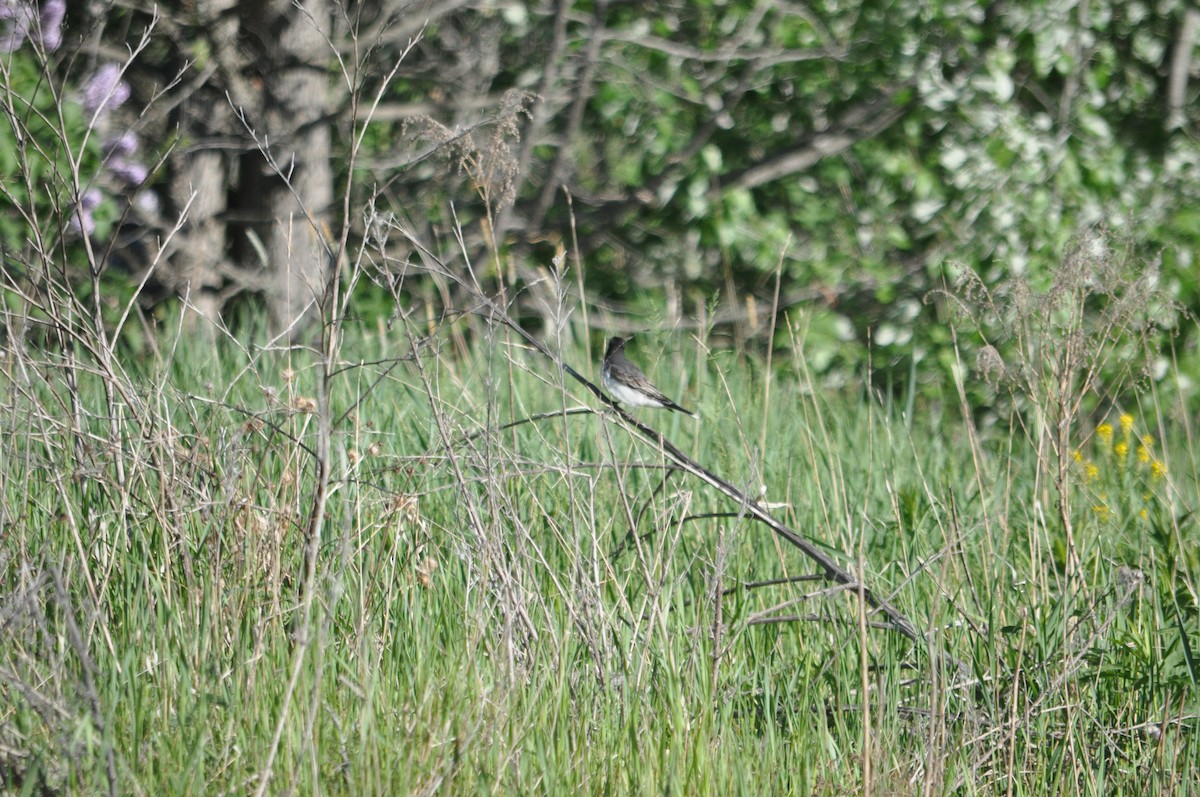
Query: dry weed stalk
(1062, 349)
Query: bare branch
(859, 123)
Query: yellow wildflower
(1092, 470)
(1101, 511)
(1143, 454)
(1158, 469)
(1126, 423)
(1105, 431)
(1144, 515)
(1121, 449)
(1077, 456)
(1148, 440)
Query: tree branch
(833, 571)
(858, 124)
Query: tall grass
(547, 608)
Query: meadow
(422, 558)
(934, 534)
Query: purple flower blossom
(128, 171)
(81, 220)
(105, 91)
(51, 21)
(116, 151)
(120, 146)
(15, 21)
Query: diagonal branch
(833, 571)
(860, 122)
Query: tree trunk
(198, 189)
(290, 190)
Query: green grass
(484, 621)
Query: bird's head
(615, 345)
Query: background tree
(870, 144)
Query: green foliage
(934, 134)
(47, 158)
(1015, 132)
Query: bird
(628, 385)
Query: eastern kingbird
(628, 385)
